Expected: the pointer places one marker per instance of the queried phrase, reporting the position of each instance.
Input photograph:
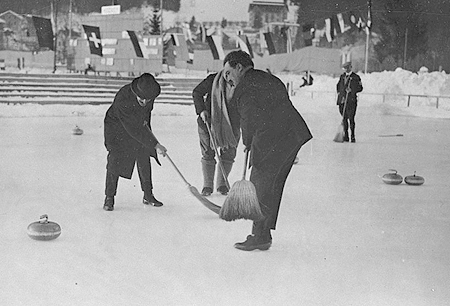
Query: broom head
(340, 134)
(241, 203)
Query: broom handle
(218, 157)
(168, 157)
(246, 163)
(346, 98)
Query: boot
(260, 238)
(221, 184)
(109, 203)
(353, 139)
(253, 243)
(208, 169)
(149, 199)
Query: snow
(343, 236)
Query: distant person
(272, 130)
(307, 80)
(228, 121)
(348, 86)
(128, 139)
(89, 68)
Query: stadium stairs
(18, 88)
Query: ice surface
(343, 236)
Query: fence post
(409, 98)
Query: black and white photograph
(225, 152)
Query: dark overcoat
(268, 120)
(353, 81)
(125, 132)
(274, 131)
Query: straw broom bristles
(242, 201)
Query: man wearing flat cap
(348, 86)
(128, 139)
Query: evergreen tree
(155, 23)
(402, 21)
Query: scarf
(220, 121)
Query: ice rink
(343, 236)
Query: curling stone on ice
(414, 180)
(392, 178)
(77, 131)
(44, 229)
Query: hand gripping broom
(241, 202)
(208, 204)
(340, 134)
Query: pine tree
(155, 23)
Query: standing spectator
(273, 131)
(348, 86)
(203, 97)
(128, 139)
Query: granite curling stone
(77, 131)
(392, 178)
(43, 229)
(414, 180)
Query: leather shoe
(109, 204)
(207, 191)
(253, 243)
(151, 200)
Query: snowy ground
(343, 236)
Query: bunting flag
(215, 45)
(244, 44)
(135, 42)
(341, 22)
(369, 16)
(336, 27)
(175, 40)
(44, 32)
(181, 49)
(269, 42)
(93, 37)
(329, 30)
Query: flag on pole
(93, 37)
(215, 45)
(135, 42)
(329, 29)
(269, 42)
(44, 32)
(244, 44)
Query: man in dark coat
(348, 86)
(202, 102)
(128, 139)
(273, 131)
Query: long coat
(354, 83)
(274, 131)
(269, 122)
(125, 132)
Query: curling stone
(77, 131)
(392, 178)
(44, 229)
(414, 180)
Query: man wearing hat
(129, 141)
(348, 86)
